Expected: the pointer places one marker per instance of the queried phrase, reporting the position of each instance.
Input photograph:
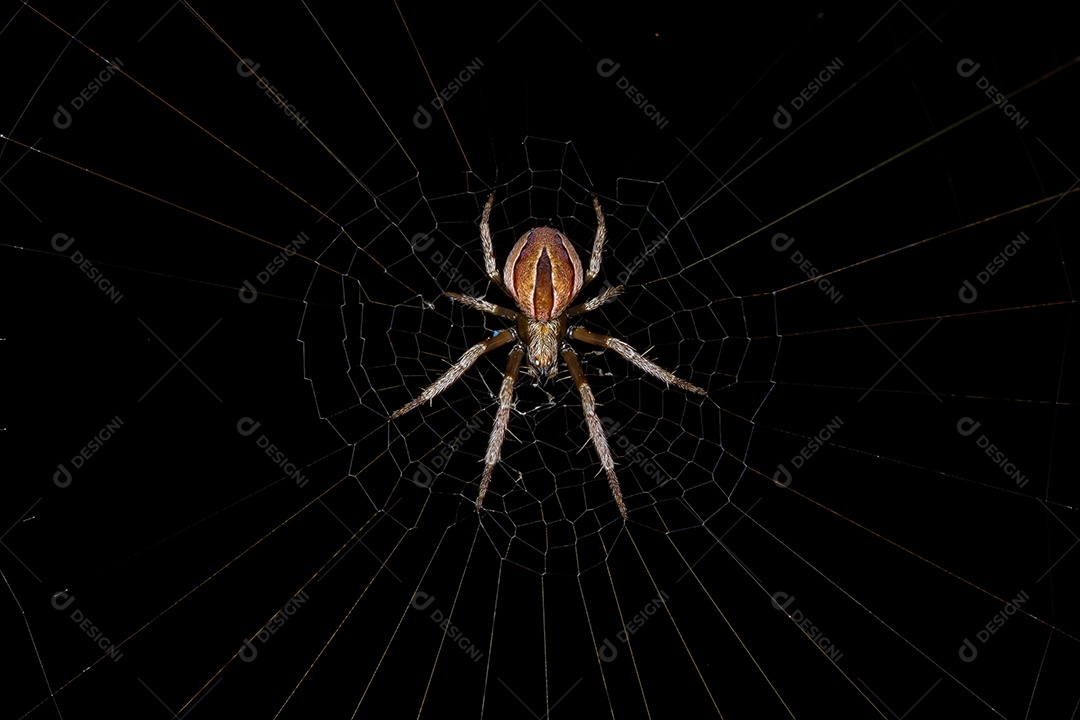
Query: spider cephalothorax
(543, 275)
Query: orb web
(548, 500)
(880, 311)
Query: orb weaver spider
(543, 275)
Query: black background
(180, 537)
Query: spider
(543, 275)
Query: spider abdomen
(543, 274)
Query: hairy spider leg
(598, 243)
(456, 370)
(502, 419)
(633, 356)
(596, 429)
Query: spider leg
(603, 298)
(633, 356)
(596, 429)
(490, 266)
(482, 305)
(502, 419)
(598, 243)
(456, 370)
